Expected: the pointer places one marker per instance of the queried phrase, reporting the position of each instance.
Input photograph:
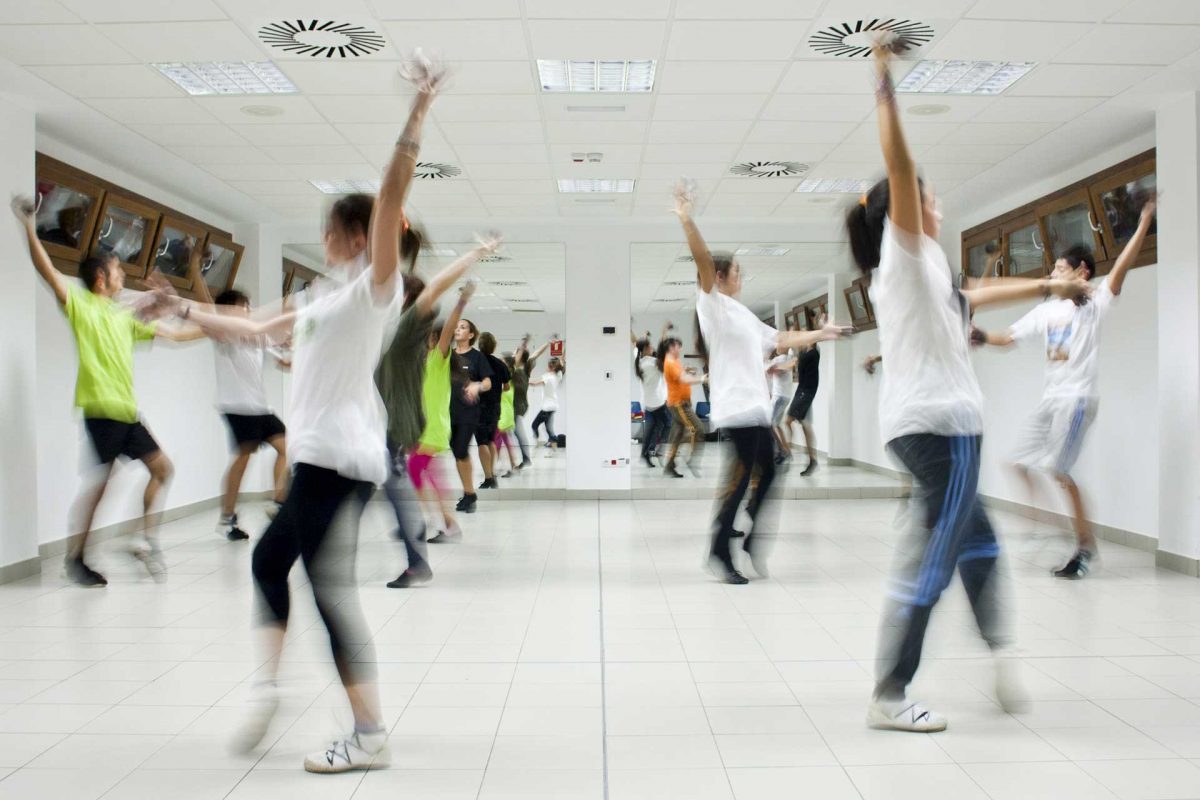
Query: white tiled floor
(577, 650)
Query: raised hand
(467, 290)
(868, 365)
(831, 332)
(685, 193)
(424, 72)
(489, 242)
(1070, 288)
(24, 208)
(1149, 209)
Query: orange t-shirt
(677, 391)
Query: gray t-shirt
(399, 377)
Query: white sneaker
(903, 715)
(356, 751)
(257, 722)
(152, 559)
(1009, 692)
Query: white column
(598, 364)
(18, 356)
(837, 362)
(1178, 144)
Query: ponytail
(642, 346)
(864, 225)
(660, 356)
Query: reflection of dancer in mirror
(489, 409)
(472, 376)
(800, 410)
(734, 343)
(507, 422)
(684, 422)
(105, 333)
(930, 414)
(523, 363)
(779, 373)
(242, 401)
(551, 379)
(1070, 331)
(655, 419)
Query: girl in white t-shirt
(734, 343)
(655, 419)
(930, 412)
(550, 381)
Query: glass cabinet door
(1121, 205)
(126, 229)
(219, 265)
(174, 246)
(983, 257)
(1070, 222)
(66, 213)
(1024, 250)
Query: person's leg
(279, 445)
(550, 431)
(756, 543)
(1085, 538)
(1072, 425)
(460, 444)
(679, 428)
(734, 484)
(487, 455)
(233, 479)
(810, 443)
(407, 525)
(538, 420)
(150, 552)
(696, 437)
(522, 437)
(81, 515)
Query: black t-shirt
(810, 373)
(500, 376)
(469, 367)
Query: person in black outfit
(800, 411)
(489, 410)
(471, 375)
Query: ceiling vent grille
(768, 169)
(508, 283)
(317, 39)
(671, 299)
(680, 283)
(494, 259)
(433, 171)
(853, 39)
(685, 260)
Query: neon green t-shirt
(506, 409)
(105, 333)
(435, 402)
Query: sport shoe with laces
(903, 715)
(356, 751)
(83, 575)
(1077, 567)
(151, 556)
(229, 527)
(411, 577)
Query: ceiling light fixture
(262, 111)
(595, 76)
(596, 109)
(227, 77)
(504, 309)
(928, 110)
(834, 185)
(963, 77)
(761, 251)
(604, 185)
(346, 186)
(441, 251)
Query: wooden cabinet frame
(66, 258)
(136, 269)
(1061, 203)
(984, 236)
(1017, 225)
(1129, 174)
(198, 232)
(866, 320)
(293, 270)
(228, 244)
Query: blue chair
(702, 409)
(637, 418)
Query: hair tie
(404, 220)
(862, 201)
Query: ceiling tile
(462, 40)
(608, 169)
(1078, 80)
(915, 132)
(212, 156)
(514, 188)
(853, 151)
(252, 172)
(168, 111)
(1133, 44)
(999, 40)
(1180, 12)
(143, 10)
(685, 107)
(612, 9)
(596, 38)
(831, 76)
(23, 12)
(296, 109)
(773, 188)
(610, 108)
(665, 175)
(687, 153)
(811, 132)
(710, 132)
(276, 188)
(324, 76)
(613, 153)
(747, 9)
(310, 154)
(1060, 10)
(506, 154)
(386, 133)
(493, 132)
(966, 153)
(1036, 109)
(115, 80)
(955, 108)
(215, 135)
(707, 77)
(930, 12)
(289, 134)
(183, 41)
(486, 108)
(503, 172)
(447, 9)
(492, 77)
(348, 108)
(940, 173)
(731, 40)
(561, 132)
(805, 153)
(59, 44)
(1000, 133)
(819, 107)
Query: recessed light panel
(835, 185)
(596, 76)
(963, 77)
(761, 251)
(346, 186)
(441, 251)
(227, 77)
(603, 185)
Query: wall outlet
(614, 462)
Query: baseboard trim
(20, 570)
(1176, 563)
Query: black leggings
(655, 424)
(751, 467)
(302, 529)
(546, 417)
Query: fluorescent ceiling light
(835, 185)
(761, 251)
(346, 186)
(228, 77)
(441, 251)
(605, 185)
(495, 308)
(596, 76)
(963, 77)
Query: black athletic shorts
(112, 439)
(489, 421)
(801, 406)
(460, 438)
(253, 429)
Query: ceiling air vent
(853, 39)
(508, 283)
(494, 259)
(671, 299)
(527, 310)
(680, 283)
(318, 39)
(432, 171)
(685, 260)
(768, 169)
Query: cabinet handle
(1092, 223)
(104, 233)
(1034, 239)
(996, 267)
(37, 206)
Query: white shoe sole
(878, 720)
(381, 760)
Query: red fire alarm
(556, 348)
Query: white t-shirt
(781, 382)
(737, 343)
(654, 388)
(1072, 337)
(337, 418)
(928, 383)
(240, 377)
(550, 383)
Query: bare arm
(786, 340)
(199, 285)
(904, 192)
(441, 282)
(1016, 289)
(446, 340)
(24, 209)
(685, 199)
(178, 333)
(997, 339)
(1116, 278)
(227, 325)
(536, 353)
(869, 363)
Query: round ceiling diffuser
(432, 171)
(768, 169)
(494, 259)
(853, 39)
(318, 39)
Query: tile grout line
(603, 671)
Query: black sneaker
(649, 461)
(779, 459)
(488, 483)
(670, 471)
(466, 504)
(83, 575)
(450, 535)
(726, 571)
(525, 463)
(412, 577)
(692, 469)
(1076, 568)
(236, 534)
(810, 469)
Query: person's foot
(1009, 692)
(488, 483)
(451, 534)
(466, 504)
(229, 527)
(412, 576)
(273, 509)
(505, 474)
(649, 461)
(524, 463)
(356, 751)
(758, 559)
(670, 471)
(726, 571)
(903, 715)
(152, 559)
(810, 469)
(1077, 567)
(779, 459)
(258, 719)
(83, 575)
(692, 468)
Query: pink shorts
(422, 472)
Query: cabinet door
(174, 246)
(856, 300)
(1024, 251)
(126, 229)
(67, 208)
(1070, 221)
(1118, 200)
(219, 265)
(982, 256)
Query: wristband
(406, 143)
(885, 90)
(186, 311)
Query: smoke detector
(768, 169)
(321, 39)
(854, 39)
(432, 171)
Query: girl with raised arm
(930, 413)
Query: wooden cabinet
(1117, 200)
(1024, 248)
(859, 303)
(1070, 221)
(219, 263)
(810, 313)
(174, 246)
(67, 207)
(297, 277)
(981, 254)
(126, 230)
